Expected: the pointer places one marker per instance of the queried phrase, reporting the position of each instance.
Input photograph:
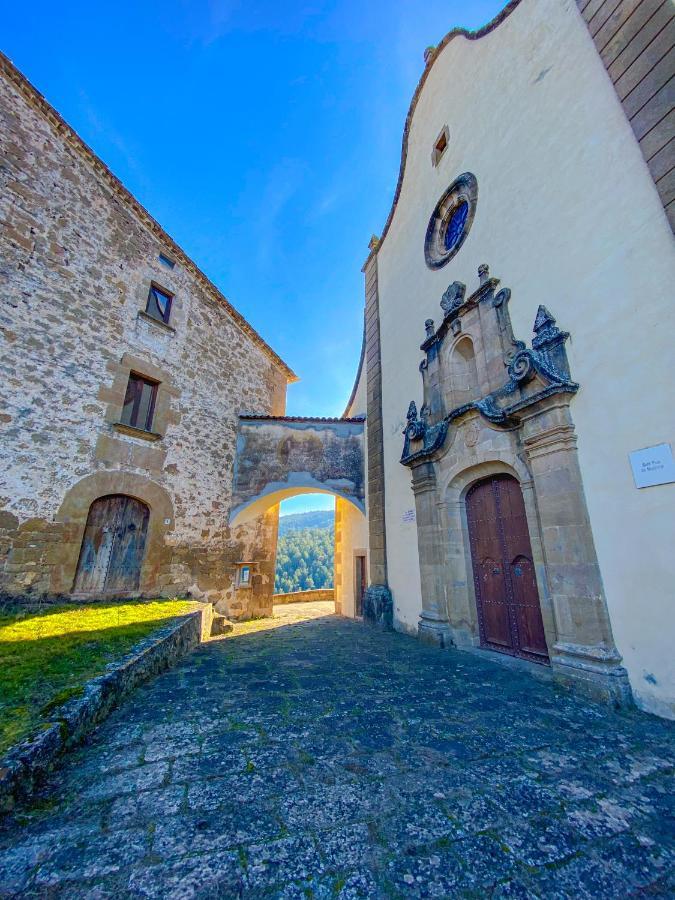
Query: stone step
(220, 625)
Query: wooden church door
(113, 546)
(509, 613)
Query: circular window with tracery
(451, 221)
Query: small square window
(159, 304)
(440, 146)
(139, 402)
(166, 261)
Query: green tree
(304, 560)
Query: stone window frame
(164, 283)
(441, 144)
(166, 259)
(156, 286)
(464, 189)
(150, 413)
(116, 392)
(238, 582)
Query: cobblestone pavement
(324, 759)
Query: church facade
(518, 352)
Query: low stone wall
(305, 596)
(24, 765)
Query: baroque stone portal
(494, 407)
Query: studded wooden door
(112, 547)
(509, 613)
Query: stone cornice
(319, 420)
(553, 440)
(38, 102)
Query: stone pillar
(374, 433)
(584, 652)
(338, 561)
(434, 627)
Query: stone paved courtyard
(320, 758)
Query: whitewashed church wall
(568, 216)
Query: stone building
(519, 350)
(124, 371)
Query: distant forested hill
(305, 551)
(317, 518)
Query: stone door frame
(74, 511)
(462, 606)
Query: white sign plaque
(408, 516)
(653, 465)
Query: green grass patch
(46, 657)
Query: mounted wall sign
(653, 465)
(451, 221)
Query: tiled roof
(319, 420)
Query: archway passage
(507, 598)
(305, 559)
(282, 456)
(113, 546)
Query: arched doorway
(113, 546)
(507, 598)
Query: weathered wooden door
(509, 613)
(359, 583)
(113, 545)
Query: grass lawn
(47, 656)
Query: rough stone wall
(76, 262)
(315, 596)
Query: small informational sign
(167, 521)
(653, 465)
(408, 515)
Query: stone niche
(494, 408)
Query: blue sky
(265, 138)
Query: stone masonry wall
(76, 262)
(315, 596)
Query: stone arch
(279, 457)
(462, 384)
(462, 612)
(458, 479)
(73, 514)
(258, 506)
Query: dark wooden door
(113, 545)
(359, 584)
(509, 613)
